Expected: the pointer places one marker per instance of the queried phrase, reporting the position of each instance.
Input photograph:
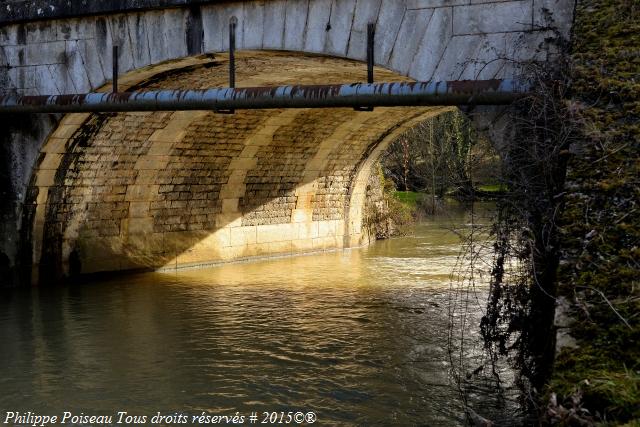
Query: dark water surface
(358, 337)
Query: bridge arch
(63, 50)
(164, 190)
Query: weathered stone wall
(423, 39)
(160, 190)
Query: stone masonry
(164, 190)
(54, 47)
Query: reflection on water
(359, 337)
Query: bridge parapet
(68, 49)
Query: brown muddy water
(358, 337)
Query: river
(358, 337)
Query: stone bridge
(89, 193)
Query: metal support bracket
(114, 76)
(371, 34)
(233, 23)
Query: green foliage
(601, 219)
(409, 198)
(439, 156)
(388, 216)
(602, 385)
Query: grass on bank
(413, 199)
(409, 198)
(492, 188)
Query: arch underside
(163, 190)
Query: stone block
(327, 228)
(228, 220)
(215, 20)
(276, 233)
(492, 18)
(253, 25)
(50, 161)
(242, 163)
(229, 205)
(137, 226)
(139, 209)
(242, 236)
(387, 28)
(22, 77)
(487, 59)
(324, 243)
(146, 176)
(273, 22)
(168, 135)
(65, 131)
(221, 238)
(300, 246)
(46, 178)
(77, 29)
(48, 52)
(159, 148)
(295, 20)
(197, 255)
(9, 35)
(75, 119)
(140, 244)
(136, 193)
(284, 247)
(43, 194)
(317, 25)
(155, 163)
(257, 250)
(301, 215)
(236, 253)
(76, 67)
(62, 77)
(426, 4)
(45, 85)
(336, 42)
(308, 230)
(411, 34)
(457, 56)
(98, 248)
(137, 28)
(553, 14)
(432, 45)
(14, 56)
(250, 152)
(365, 12)
(154, 28)
(232, 191)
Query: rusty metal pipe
(483, 92)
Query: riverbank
(598, 276)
